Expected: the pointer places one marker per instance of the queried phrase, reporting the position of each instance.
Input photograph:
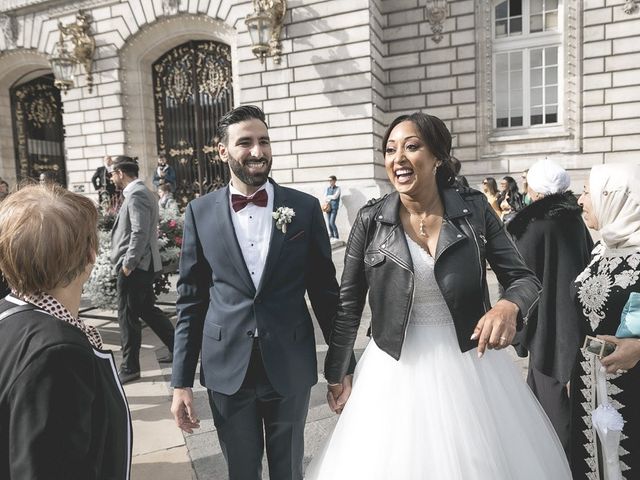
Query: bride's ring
(503, 339)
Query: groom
(241, 302)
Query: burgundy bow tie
(238, 202)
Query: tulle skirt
(440, 414)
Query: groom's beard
(244, 173)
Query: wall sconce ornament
(630, 6)
(436, 13)
(265, 27)
(64, 63)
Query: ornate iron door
(38, 130)
(193, 90)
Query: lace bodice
(429, 306)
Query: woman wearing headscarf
(556, 245)
(605, 389)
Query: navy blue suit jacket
(219, 306)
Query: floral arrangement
(283, 216)
(101, 286)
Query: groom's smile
(248, 154)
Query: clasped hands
(337, 395)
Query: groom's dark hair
(237, 115)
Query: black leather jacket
(378, 260)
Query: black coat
(556, 245)
(102, 180)
(378, 260)
(63, 413)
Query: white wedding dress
(437, 413)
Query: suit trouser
(554, 398)
(136, 300)
(256, 413)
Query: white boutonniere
(283, 216)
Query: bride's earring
(435, 168)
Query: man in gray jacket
(135, 254)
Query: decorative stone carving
(170, 7)
(630, 6)
(10, 29)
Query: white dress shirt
(253, 226)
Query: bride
(433, 397)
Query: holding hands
(496, 329)
(337, 395)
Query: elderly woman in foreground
(63, 413)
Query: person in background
(166, 200)
(46, 178)
(4, 189)
(63, 413)
(457, 166)
(510, 199)
(332, 198)
(164, 174)
(607, 295)
(490, 190)
(556, 245)
(4, 193)
(103, 184)
(136, 256)
(526, 198)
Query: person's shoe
(126, 377)
(168, 358)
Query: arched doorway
(192, 91)
(38, 130)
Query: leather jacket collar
(454, 208)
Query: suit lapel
(277, 237)
(229, 239)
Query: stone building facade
(515, 81)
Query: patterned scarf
(53, 307)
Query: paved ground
(161, 452)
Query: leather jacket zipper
(408, 316)
(473, 233)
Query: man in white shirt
(250, 253)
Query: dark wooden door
(38, 130)
(193, 90)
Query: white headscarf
(547, 177)
(615, 195)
